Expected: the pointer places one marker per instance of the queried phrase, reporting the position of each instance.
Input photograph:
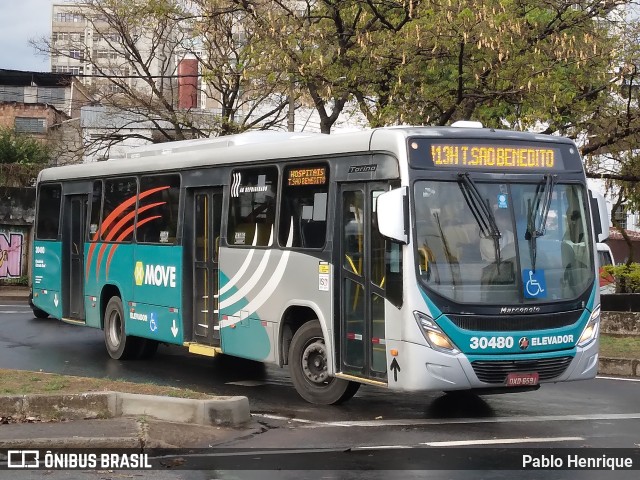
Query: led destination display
(493, 156)
(307, 176)
(490, 155)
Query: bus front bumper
(420, 368)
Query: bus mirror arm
(392, 209)
(599, 215)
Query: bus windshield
(503, 243)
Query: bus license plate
(522, 379)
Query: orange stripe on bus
(112, 216)
(122, 236)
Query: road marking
(382, 447)
(619, 378)
(501, 441)
(286, 419)
(248, 383)
(14, 311)
(418, 422)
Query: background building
(45, 106)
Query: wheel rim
(115, 329)
(314, 362)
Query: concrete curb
(14, 298)
(219, 411)
(75, 442)
(620, 367)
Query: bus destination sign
(488, 156)
(491, 155)
(307, 176)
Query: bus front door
(362, 281)
(73, 247)
(207, 217)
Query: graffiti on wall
(11, 254)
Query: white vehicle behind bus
(604, 258)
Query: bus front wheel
(309, 369)
(119, 346)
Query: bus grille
(514, 323)
(490, 371)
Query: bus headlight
(434, 335)
(590, 332)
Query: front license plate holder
(522, 379)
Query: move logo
(156, 275)
(138, 273)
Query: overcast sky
(21, 21)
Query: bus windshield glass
(503, 243)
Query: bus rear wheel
(119, 346)
(309, 369)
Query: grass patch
(619, 346)
(17, 382)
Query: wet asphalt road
(603, 413)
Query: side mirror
(600, 216)
(392, 209)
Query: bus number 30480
(490, 342)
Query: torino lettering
(160, 276)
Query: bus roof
(266, 146)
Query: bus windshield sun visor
(537, 213)
(481, 211)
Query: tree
(522, 64)
(321, 46)
(138, 45)
(21, 158)
(223, 43)
(21, 149)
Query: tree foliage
(21, 149)
(554, 66)
(138, 45)
(519, 63)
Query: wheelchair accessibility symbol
(153, 323)
(535, 285)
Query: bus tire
(119, 346)
(308, 369)
(39, 313)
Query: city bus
(410, 258)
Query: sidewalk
(125, 432)
(120, 420)
(14, 293)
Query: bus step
(206, 350)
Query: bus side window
(158, 209)
(252, 207)
(118, 212)
(96, 208)
(303, 210)
(48, 222)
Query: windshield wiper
(481, 212)
(537, 214)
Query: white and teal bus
(413, 258)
